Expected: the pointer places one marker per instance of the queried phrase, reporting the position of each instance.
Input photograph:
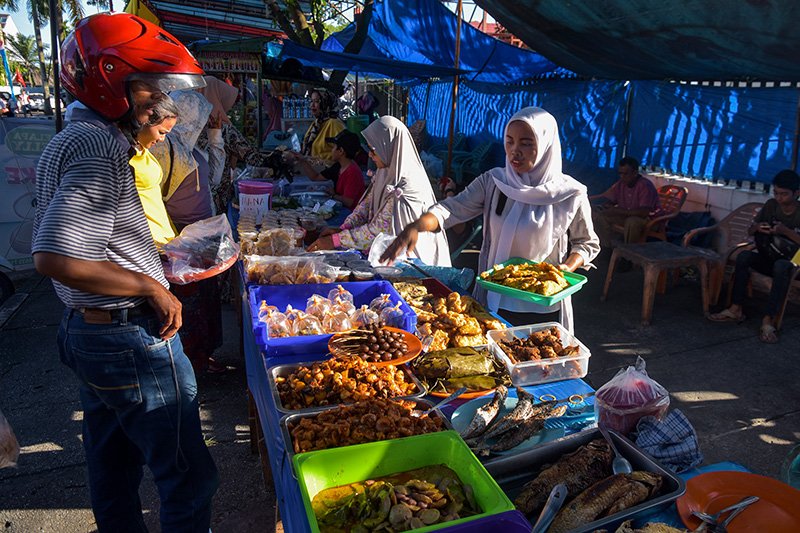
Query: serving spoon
(619, 465)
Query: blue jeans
(139, 398)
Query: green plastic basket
(575, 281)
(324, 469)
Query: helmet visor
(167, 83)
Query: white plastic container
(545, 370)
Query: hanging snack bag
(318, 306)
(364, 317)
(340, 294)
(380, 303)
(336, 322)
(392, 316)
(308, 325)
(630, 395)
(277, 324)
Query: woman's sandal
(726, 316)
(767, 334)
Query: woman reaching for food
(398, 194)
(530, 209)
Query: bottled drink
(790, 471)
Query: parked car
(36, 95)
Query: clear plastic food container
(543, 370)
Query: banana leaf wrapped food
(447, 370)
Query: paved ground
(741, 395)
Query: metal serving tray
(422, 405)
(511, 473)
(285, 370)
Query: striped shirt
(88, 208)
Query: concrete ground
(741, 395)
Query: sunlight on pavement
(703, 396)
(41, 447)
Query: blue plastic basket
(296, 295)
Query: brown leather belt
(92, 315)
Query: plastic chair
(729, 236)
(671, 199)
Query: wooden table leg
(611, 266)
(704, 285)
(649, 293)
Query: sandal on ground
(215, 367)
(767, 334)
(726, 315)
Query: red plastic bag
(629, 396)
(202, 250)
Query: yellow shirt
(147, 172)
(320, 147)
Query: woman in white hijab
(398, 195)
(530, 209)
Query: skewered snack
(454, 321)
(340, 381)
(399, 502)
(540, 278)
(368, 421)
(372, 343)
(544, 344)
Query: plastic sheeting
(657, 39)
(423, 32)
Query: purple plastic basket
(296, 295)
(508, 522)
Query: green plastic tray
(575, 281)
(324, 469)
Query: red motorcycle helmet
(107, 51)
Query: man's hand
(168, 309)
(763, 227)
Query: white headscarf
(545, 199)
(405, 179)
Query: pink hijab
(222, 96)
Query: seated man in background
(777, 239)
(627, 203)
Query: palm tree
(22, 50)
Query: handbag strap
(165, 186)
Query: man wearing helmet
(137, 387)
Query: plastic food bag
(308, 325)
(268, 270)
(264, 308)
(279, 242)
(627, 397)
(392, 316)
(277, 324)
(336, 322)
(202, 250)
(365, 317)
(344, 306)
(9, 447)
(379, 245)
(380, 303)
(318, 306)
(293, 315)
(340, 294)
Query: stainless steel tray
(422, 405)
(285, 370)
(511, 473)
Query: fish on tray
(577, 470)
(524, 421)
(486, 414)
(609, 496)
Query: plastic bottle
(790, 470)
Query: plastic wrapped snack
(380, 303)
(279, 242)
(345, 306)
(365, 316)
(629, 396)
(340, 293)
(336, 322)
(392, 316)
(293, 315)
(268, 270)
(277, 324)
(202, 250)
(318, 306)
(308, 325)
(264, 308)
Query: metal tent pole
(455, 92)
(55, 24)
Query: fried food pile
(539, 278)
(454, 321)
(341, 381)
(368, 421)
(545, 344)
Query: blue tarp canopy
(405, 36)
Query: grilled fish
(522, 411)
(578, 471)
(606, 497)
(527, 429)
(486, 414)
